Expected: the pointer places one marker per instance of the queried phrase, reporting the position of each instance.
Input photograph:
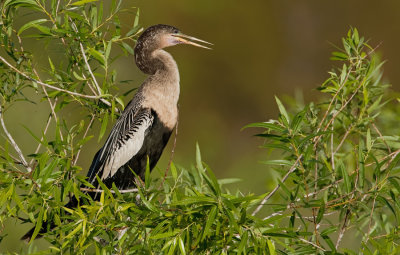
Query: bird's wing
(124, 142)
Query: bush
(339, 168)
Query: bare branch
(45, 84)
(343, 229)
(370, 220)
(84, 135)
(40, 144)
(381, 136)
(291, 170)
(172, 153)
(311, 243)
(112, 191)
(13, 143)
(85, 59)
(89, 68)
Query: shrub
(338, 168)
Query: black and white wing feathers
(123, 143)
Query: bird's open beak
(182, 38)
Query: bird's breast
(164, 103)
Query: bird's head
(162, 36)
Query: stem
(13, 143)
(172, 153)
(291, 170)
(45, 84)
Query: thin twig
(343, 139)
(370, 219)
(13, 143)
(52, 107)
(381, 136)
(89, 68)
(343, 229)
(45, 84)
(85, 59)
(311, 243)
(291, 170)
(84, 135)
(16, 160)
(332, 153)
(112, 191)
(58, 5)
(172, 153)
(343, 106)
(331, 102)
(41, 140)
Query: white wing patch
(128, 148)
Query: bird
(144, 127)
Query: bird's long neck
(161, 89)
(150, 61)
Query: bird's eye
(176, 31)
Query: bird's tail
(28, 236)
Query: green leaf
(346, 177)
(267, 125)
(136, 21)
(166, 234)
(82, 2)
(31, 24)
(243, 242)
(199, 164)
(43, 29)
(103, 127)
(181, 245)
(271, 247)
(147, 179)
(210, 221)
(108, 50)
(39, 222)
(21, 3)
(279, 162)
(128, 48)
(173, 171)
(321, 212)
(282, 110)
(339, 56)
(97, 55)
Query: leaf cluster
(339, 169)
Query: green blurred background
(261, 49)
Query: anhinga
(144, 127)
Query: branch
(291, 170)
(112, 191)
(45, 84)
(13, 143)
(343, 229)
(311, 243)
(172, 153)
(85, 59)
(84, 135)
(370, 220)
(88, 67)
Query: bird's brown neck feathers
(161, 90)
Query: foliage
(339, 171)
(344, 173)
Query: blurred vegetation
(336, 160)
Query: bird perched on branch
(145, 125)
(144, 128)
